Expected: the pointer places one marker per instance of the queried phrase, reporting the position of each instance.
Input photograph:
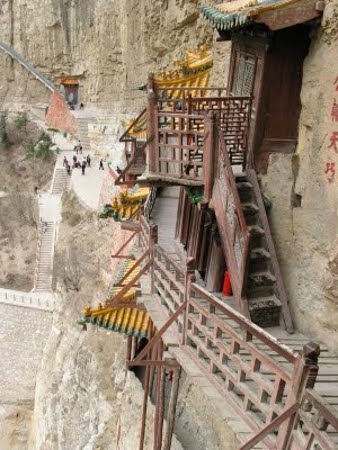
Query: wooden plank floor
(164, 215)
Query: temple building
(202, 281)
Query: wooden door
(269, 67)
(281, 103)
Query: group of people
(77, 164)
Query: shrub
(3, 132)
(39, 149)
(21, 121)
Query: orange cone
(227, 291)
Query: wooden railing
(233, 115)
(149, 203)
(231, 221)
(262, 379)
(179, 146)
(316, 426)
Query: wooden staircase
(264, 304)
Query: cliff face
(111, 45)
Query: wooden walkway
(164, 215)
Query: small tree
(21, 122)
(3, 132)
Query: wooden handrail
(124, 137)
(248, 326)
(252, 177)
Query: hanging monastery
(209, 283)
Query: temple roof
(124, 317)
(238, 13)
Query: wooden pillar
(159, 403)
(189, 278)
(153, 239)
(306, 366)
(152, 125)
(144, 407)
(208, 154)
(129, 348)
(172, 409)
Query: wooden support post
(161, 402)
(144, 408)
(208, 154)
(153, 239)
(301, 380)
(189, 278)
(129, 348)
(172, 409)
(152, 121)
(157, 398)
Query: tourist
(65, 161)
(88, 160)
(36, 190)
(68, 169)
(118, 170)
(101, 165)
(81, 105)
(80, 149)
(83, 167)
(44, 227)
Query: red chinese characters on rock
(334, 112)
(330, 171)
(334, 141)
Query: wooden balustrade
(231, 222)
(316, 426)
(266, 382)
(180, 146)
(149, 204)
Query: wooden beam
(124, 246)
(270, 427)
(172, 409)
(144, 408)
(128, 286)
(158, 335)
(289, 15)
(137, 263)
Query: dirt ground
(19, 209)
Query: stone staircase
(44, 268)
(61, 181)
(262, 292)
(83, 120)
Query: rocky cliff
(111, 45)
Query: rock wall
(111, 45)
(304, 191)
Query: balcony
(180, 135)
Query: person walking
(88, 160)
(101, 165)
(83, 167)
(65, 161)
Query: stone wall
(59, 115)
(23, 335)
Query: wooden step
(250, 208)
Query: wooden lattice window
(244, 74)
